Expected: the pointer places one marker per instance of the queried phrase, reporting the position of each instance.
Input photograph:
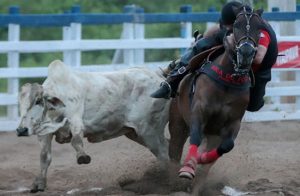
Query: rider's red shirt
(264, 40)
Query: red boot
(190, 163)
(208, 157)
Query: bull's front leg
(76, 129)
(82, 157)
(40, 182)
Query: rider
(262, 63)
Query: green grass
(3, 111)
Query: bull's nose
(22, 131)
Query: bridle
(243, 41)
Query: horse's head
(246, 33)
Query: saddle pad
(225, 78)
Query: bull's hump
(57, 69)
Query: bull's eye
(38, 101)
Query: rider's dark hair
(228, 15)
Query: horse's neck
(224, 59)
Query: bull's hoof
(39, 185)
(187, 172)
(84, 159)
(35, 190)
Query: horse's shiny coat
(215, 111)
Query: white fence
(133, 45)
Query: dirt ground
(265, 161)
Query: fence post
(128, 29)
(275, 24)
(76, 35)
(276, 75)
(13, 62)
(297, 30)
(210, 24)
(72, 32)
(67, 54)
(185, 27)
(139, 33)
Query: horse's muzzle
(22, 131)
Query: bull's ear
(53, 102)
(25, 89)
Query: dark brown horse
(211, 101)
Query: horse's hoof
(84, 159)
(187, 172)
(186, 175)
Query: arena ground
(265, 161)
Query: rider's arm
(262, 48)
(202, 45)
(211, 31)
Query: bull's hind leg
(155, 141)
(178, 132)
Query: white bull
(100, 106)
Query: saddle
(199, 59)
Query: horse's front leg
(40, 182)
(216, 147)
(213, 141)
(226, 144)
(196, 137)
(211, 156)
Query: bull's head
(40, 114)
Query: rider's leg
(167, 70)
(169, 87)
(257, 93)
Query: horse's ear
(236, 9)
(259, 11)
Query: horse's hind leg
(178, 132)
